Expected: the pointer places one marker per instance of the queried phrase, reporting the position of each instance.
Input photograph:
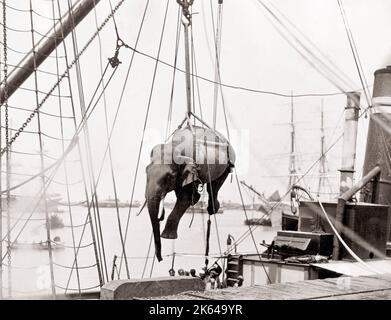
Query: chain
(65, 74)
(5, 55)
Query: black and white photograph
(191, 155)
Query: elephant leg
(213, 190)
(186, 197)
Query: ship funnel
(378, 150)
(382, 90)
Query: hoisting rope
(178, 35)
(64, 75)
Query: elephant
(194, 156)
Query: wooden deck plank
(365, 287)
(376, 295)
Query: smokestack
(378, 150)
(349, 141)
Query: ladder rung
(231, 279)
(233, 262)
(232, 271)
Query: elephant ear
(157, 154)
(189, 174)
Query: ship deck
(376, 287)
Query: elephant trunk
(154, 210)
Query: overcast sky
(253, 55)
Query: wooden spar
(46, 46)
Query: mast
(292, 157)
(46, 46)
(322, 163)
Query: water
(30, 272)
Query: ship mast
(292, 157)
(322, 163)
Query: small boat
(56, 244)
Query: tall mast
(292, 157)
(46, 46)
(322, 163)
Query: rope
(41, 112)
(357, 258)
(80, 127)
(239, 87)
(178, 34)
(79, 267)
(108, 141)
(116, 115)
(72, 227)
(100, 242)
(28, 52)
(145, 127)
(300, 47)
(69, 66)
(48, 230)
(356, 56)
(25, 10)
(147, 257)
(245, 234)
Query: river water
(30, 271)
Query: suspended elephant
(193, 157)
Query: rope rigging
(63, 75)
(67, 184)
(144, 125)
(114, 62)
(48, 232)
(356, 56)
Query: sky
(253, 55)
